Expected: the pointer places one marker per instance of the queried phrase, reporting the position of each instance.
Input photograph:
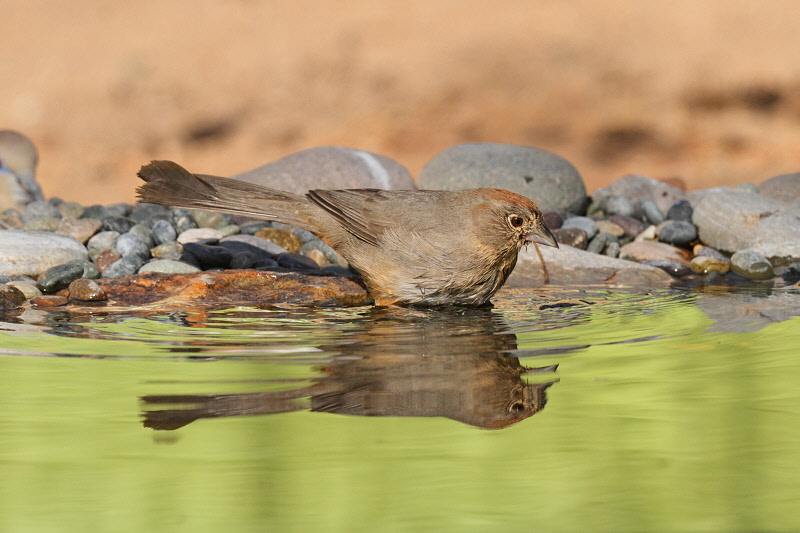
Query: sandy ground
(708, 92)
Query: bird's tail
(170, 184)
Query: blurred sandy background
(704, 91)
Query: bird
(423, 248)
(18, 159)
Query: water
(668, 411)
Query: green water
(671, 412)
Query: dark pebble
(792, 274)
(5, 279)
(97, 212)
(55, 200)
(182, 219)
(632, 226)
(10, 297)
(255, 248)
(339, 271)
(59, 277)
(678, 233)
(680, 210)
(265, 264)
(599, 243)
(209, 256)
(118, 224)
(86, 290)
(189, 259)
(90, 270)
(296, 261)
(250, 228)
(49, 300)
(553, 219)
(124, 267)
(147, 213)
(574, 237)
(673, 268)
(242, 260)
(163, 232)
(131, 244)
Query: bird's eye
(516, 221)
(516, 407)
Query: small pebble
(144, 213)
(283, 238)
(163, 232)
(120, 209)
(586, 224)
(678, 233)
(145, 233)
(209, 256)
(200, 234)
(168, 250)
(101, 242)
(79, 229)
(680, 210)
(119, 224)
(106, 259)
(612, 250)
(189, 259)
(574, 237)
(55, 200)
(606, 226)
(230, 229)
(751, 264)
(296, 261)
(182, 220)
(330, 254)
(41, 224)
(632, 226)
(251, 228)
(600, 242)
(30, 290)
(318, 257)
(673, 268)
(11, 297)
(126, 266)
(792, 274)
(40, 209)
(49, 300)
(242, 260)
(86, 290)
(97, 212)
(130, 244)
(703, 265)
(11, 218)
(649, 234)
(59, 277)
(707, 251)
(4, 279)
(618, 205)
(265, 264)
(71, 210)
(651, 212)
(553, 219)
(90, 270)
(212, 219)
(237, 243)
(169, 266)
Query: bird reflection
(456, 364)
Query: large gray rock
(570, 266)
(731, 220)
(546, 178)
(330, 167)
(784, 188)
(25, 253)
(637, 188)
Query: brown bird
(418, 247)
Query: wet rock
(575, 237)
(330, 167)
(97, 212)
(646, 250)
(79, 229)
(569, 266)
(586, 224)
(182, 220)
(751, 264)
(163, 232)
(30, 290)
(242, 260)
(618, 205)
(265, 264)
(731, 220)
(553, 219)
(11, 297)
(209, 256)
(30, 254)
(126, 266)
(652, 213)
(606, 226)
(200, 235)
(106, 259)
(103, 241)
(71, 210)
(283, 238)
(632, 226)
(678, 233)
(168, 266)
(637, 188)
(86, 290)
(41, 224)
(169, 250)
(40, 209)
(705, 265)
(119, 224)
(59, 277)
(680, 210)
(296, 261)
(673, 268)
(318, 257)
(544, 177)
(49, 300)
(90, 270)
(129, 244)
(784, 188)
(253, 244)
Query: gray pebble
(125, 266)
(751, 264)
(131, 244)
(163, 232)
(59, 277)
(41, 224)
(618, 205)
(707, 251)
(105, 240)
(182, 220)
(585, 223)
(71, 210)
(612, 250)
(119, 224)
(145, 233)
(90, 270)
(792, 274)
(242, 260)
(5, 279)
(148, 213)
(120, 209)
(678, 233)
(40, 209)
(230, 229)
(680, 210)
(330, 254)
(651, 212)
(97, 212)
(169, 266)
(250, 228)
(599, 243)
(257, 242)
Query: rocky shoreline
(637, 231)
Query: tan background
(705, 91)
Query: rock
(553, 219)
(18, 171)
(632, 226)
(79, 229)
(673, 268)
(652, 213)
(704, 265)
(71, 210)
(106, 259)
(252, 243)
(586, 224)
(30, 254)
(707, 251)
(649, 234)
(646, 250)
(86, 290)
(189, 259)
(230, 229)
(41, 224)
(130, 244)
(680, 210)
(30, 290)
(618, 205)
(211, 219)
(265, 264)
(59, 277)
(251, 228)
(546, 178)
(296, 261)
(751, 264)
(599, 243)
(125, 266)
(145, 233)
(784, 188)
(49, 300)
(330, 254)
(182, 220)
(149, 213)
(575, 237)
(606, 226)
(169, 250)
(638, 188)
(97, 212)
(330, 167)
(612, 249)
(90, 270)
(336, 270)
(163, 232)
(200, 234)
(678, 232)
(11, 297)
(283, 238)
(119, 224)
(209, 256)
(168, 266)
(242, 260)
(40, 209)
(11, 219)
(318, 257)
(791, 275)
(570, 267)
(731, 220)
(121, 209)
(101, 242)
(748, 187)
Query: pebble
(337, 270)
(618, 205)
(680, 210)
(783, 188)
(635, 188)
(145, 233)
(251, 228)
(678, 232)
(90, 270)
(163, 232)
(283, 238)
(553, 219)
(182, 220)
(748, 187)
(296, 261)
(242, 260)
(318, 257)
(632, 226)
(4, 279)
(11, 219)
(645, 250)
(11, 297)
(59, 277)
(606, 226)
(612, 250)
(652, 213)
(169, 266)
(120, 209)
(549, 179)
(119, 224)
(71, 210)
(211, 219)
(79, 229)
(145, 213)
(704, 264)
(189, 259)
(40, 209)
(200, 234)
(106, 259)
(330, 254)
(30, 290)
(575, 237)
(86, 290)
(30, 254)
(751, 264)
(230, 229)
(209, 256)
(125, 266)
(649, 234)
(101, 242)
(673, 268)
(49, 300)
(168, 250)
(97, 212)
(251, 242)
(707, 251)
(599, 243)
(265, 264)
(792, 274)
(585, 223)
(41, 224)
(130, 244)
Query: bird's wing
(356, 210)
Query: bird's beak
(543, 236)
